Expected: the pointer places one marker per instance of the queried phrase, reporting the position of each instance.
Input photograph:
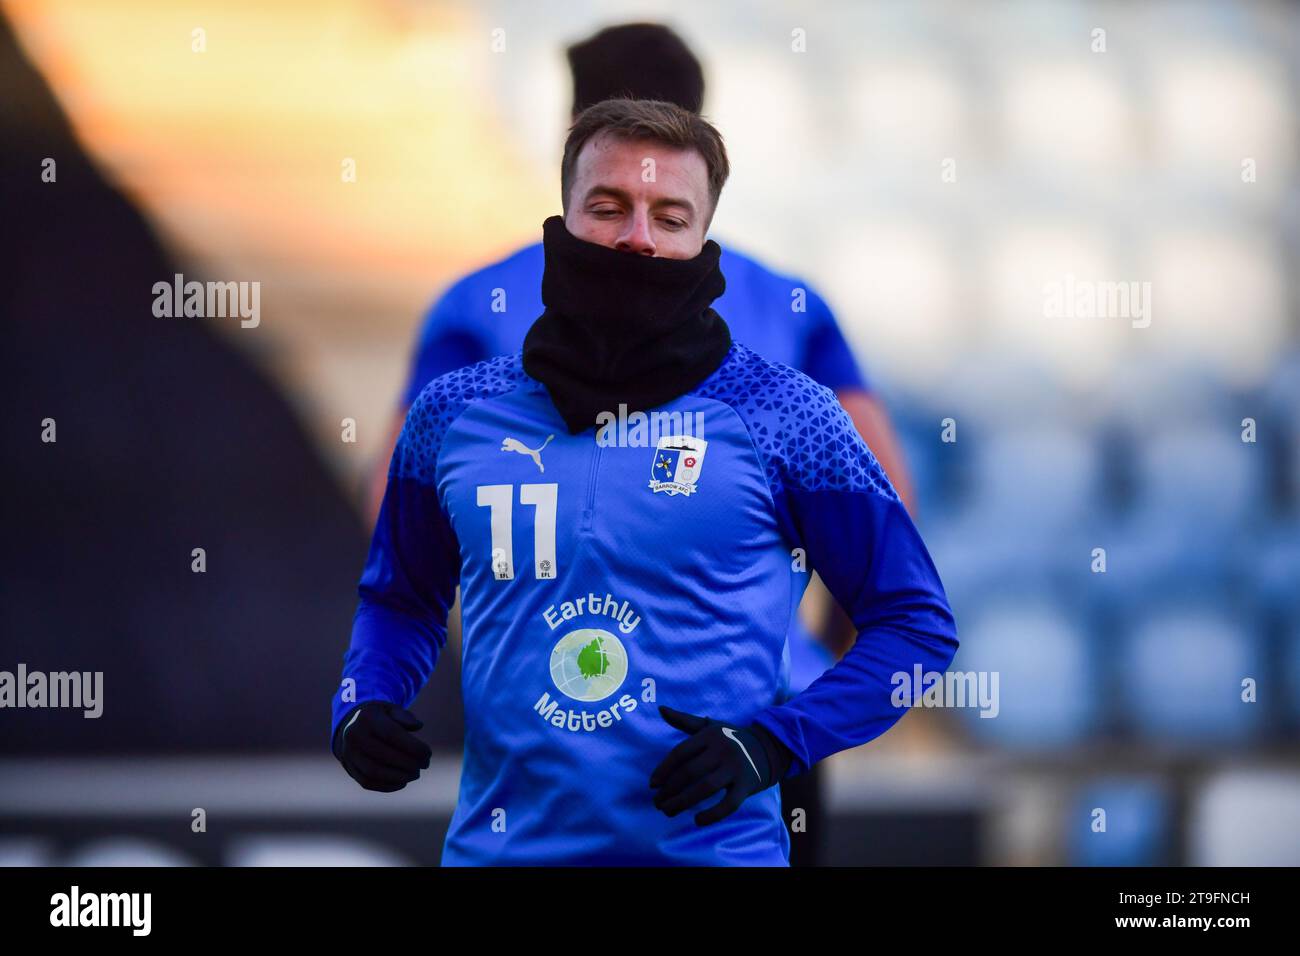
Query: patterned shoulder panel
(802, 433)
(441, 402)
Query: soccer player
(488, 312)
(627, 505)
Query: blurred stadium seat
(1198, 476)
(315, 849)
(1281, 392)
(1038, 480)
(1246, 817)
(1138, 823)
(1180, 676)
(1049, 694)
(1291, 672)
(1267, 567)
(127, 851)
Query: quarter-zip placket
(588, 511)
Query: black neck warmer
(622, 328)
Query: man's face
(612, 204)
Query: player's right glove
(377, 746)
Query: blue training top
(606, 572)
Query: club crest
(677, 463)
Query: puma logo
(514, 444)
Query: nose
(636, 238)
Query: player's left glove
(716, 756)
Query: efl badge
(677, 463)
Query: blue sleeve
(832, 499)
(827, 358)
(447, 342)
(409, 581)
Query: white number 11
(500, 499)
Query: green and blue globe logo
(588, 664)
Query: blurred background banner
(1062, 238)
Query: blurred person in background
(698, 581)
(781, 317)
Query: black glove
(716, 756)
(377, 748)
